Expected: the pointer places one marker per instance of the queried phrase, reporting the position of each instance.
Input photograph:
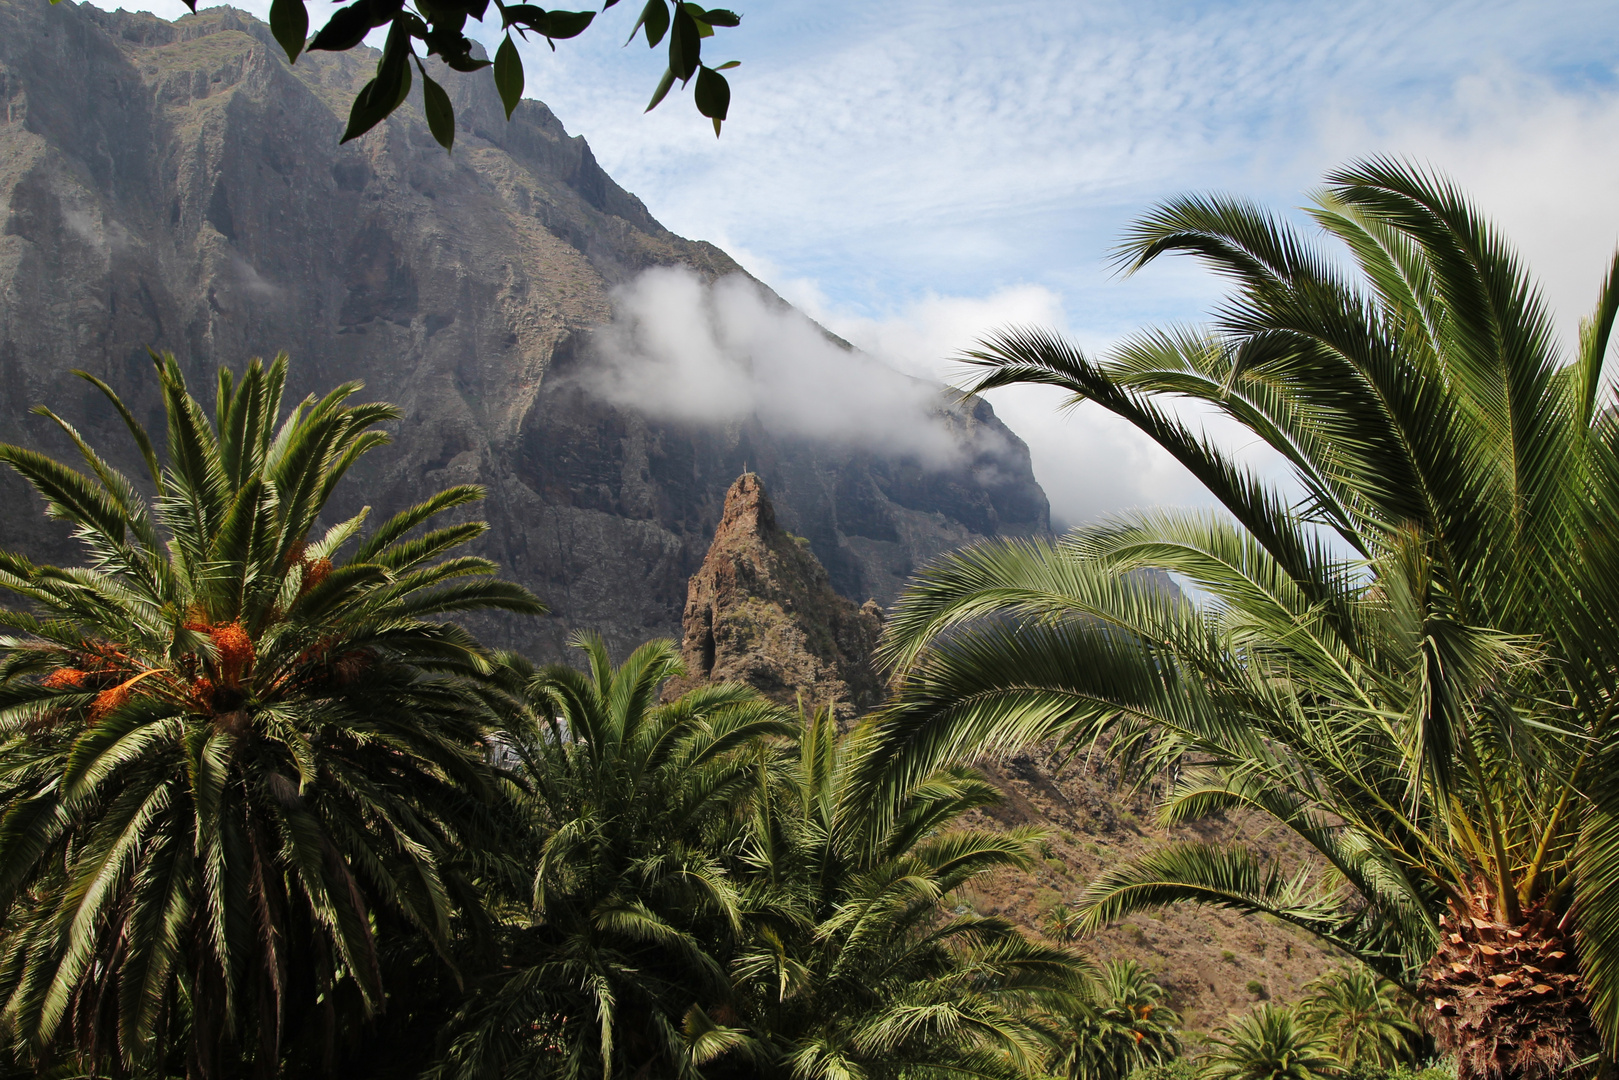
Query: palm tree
(1128, 1026)
(1410, 663)
(1267, 1043)
(1366, 1020)
(235, 759)
(634, 902)
(857, 966)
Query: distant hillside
(1206, 957)
(180, 186)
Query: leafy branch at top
(440, 26)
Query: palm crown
(1365, 1019)
(1410, 664)
(1129, 1026)
(856, 967)
(1268, 1043)
(634, 905)
(232, 755)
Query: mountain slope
(180, 186)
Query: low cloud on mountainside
(683, 350)
(1091, 463)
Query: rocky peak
(761, 610)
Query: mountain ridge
(180, 186)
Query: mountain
(179, 186)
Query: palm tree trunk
(1507, 1000)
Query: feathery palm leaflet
(1406, 654)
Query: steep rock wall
(180, 186)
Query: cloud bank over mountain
(679, 349)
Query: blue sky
(913, 172)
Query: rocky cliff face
(179, 186)
(761, 610)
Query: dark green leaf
(655, 17)
(364, 114)
(685, 45)
(553, 24)
(440, 113)
(509, 75)
(567, 24)
(345, 29)
(728, 65)
(721, 17)
(713, 95)
(662, 91)
(289, 22)
(393, 70)
(464, 63)
(521, 14)
(452, 46)
(383, 11)
(444, 16)
(385, 93)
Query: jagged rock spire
(760, 610)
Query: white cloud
(927, 334)
(683, 350)
(1089, 462)
(1541, 161)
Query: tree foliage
(1268, 1043)
(709, 901)
(1128, 1025)
(1365, 1019)
(1407, 659)
(440, 26)
(239, 752)
(858, 966)
(635, 806)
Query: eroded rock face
(180, 186)
(761, 611)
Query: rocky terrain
(1213, 962)
(759, 611)
(179, 186)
